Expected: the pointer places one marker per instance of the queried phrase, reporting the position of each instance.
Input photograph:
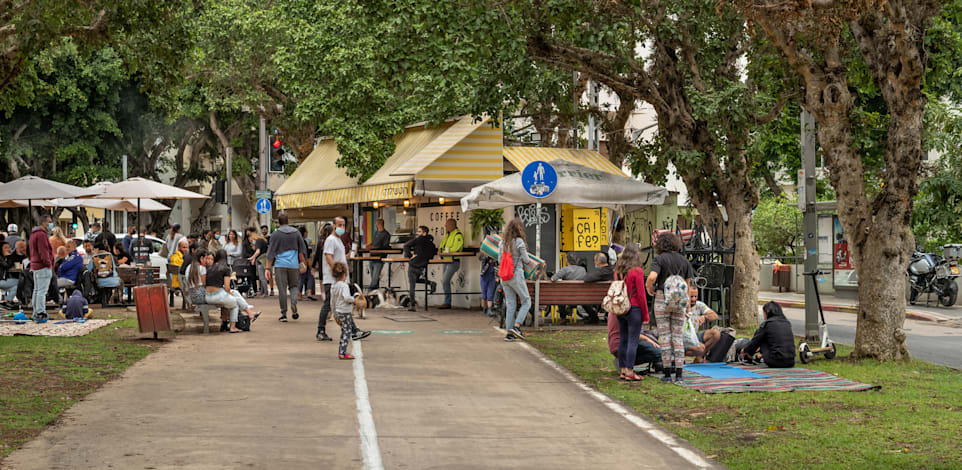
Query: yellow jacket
(177, 259)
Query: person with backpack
(628, 269)
(420, 250)
(512, 257)
(668, 282)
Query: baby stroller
(243, 273)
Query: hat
(12, 228)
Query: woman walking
(233, 248)
(670, 316)
(513, 244)
(628, 268)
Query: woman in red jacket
(628, 268)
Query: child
(343, 303)
(76, 306)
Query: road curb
(847, 309)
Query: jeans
(414, 274)
(513, 289)
(242, 304)
(224, 299)
(325, 309)
(307, 282)
(375, 274)
(288, 280)
(648, 353)
(9, 288)
(629, 326)
(488, 286)
(64, 283)
(450, 270)
(41, 284)
(261, 278)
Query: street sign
(263, 206)
(539, 179)
(263, 194)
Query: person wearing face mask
(214, 243)
(41, 263)
(332, 252)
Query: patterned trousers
(670, 325)
(346, 320)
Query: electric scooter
(827, 348)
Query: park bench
(569, 293)
(204, 311)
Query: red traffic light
(277, 143)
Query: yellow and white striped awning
(441, 144)
(331, 197)
(522, 156)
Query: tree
(776, 224)
(814, 38)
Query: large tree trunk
(746, 261)
(248, 185)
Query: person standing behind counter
(453, 242)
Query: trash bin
(153, 313)
(782, 277)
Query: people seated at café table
(9, 280)
(121, 255)
(603, 272)
(103, 265)
(71, 267)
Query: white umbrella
(140, 188)
(146, 205)
(32, 188)
(577, 184)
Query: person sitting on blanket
(774, 338)
(76, 306)
(649, 351)
(701, 314)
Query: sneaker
(360, 334)
(295, 316)
(345, 356)
(517, 332)
(282, 319)
(322, 336)
(445, 307)
(412, 309)
(510, 338)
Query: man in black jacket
(603, 272)
(774, 337)
(420, 250)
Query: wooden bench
(570, 292)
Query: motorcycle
(930, 273)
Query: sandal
(256, 314)
(633, 377)
(345, 356)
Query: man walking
(380, 241)
(453, 242)
(285, 253)
(41, 264)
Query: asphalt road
(926, 340)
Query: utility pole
(229, 176)
(123, 163)
(806, 202)
(576, 99)
(262, 160)
(593, 137)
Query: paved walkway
(276, 398)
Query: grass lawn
(914, 421)
(40, 377)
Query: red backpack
(506, 269)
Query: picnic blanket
(52, 328)
(721, 370)
(774, 380)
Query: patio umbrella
(32, 188)
(138, 189)
(146, 205)
(577, 184)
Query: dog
(360, 304)
(385, 298)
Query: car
(155, 259)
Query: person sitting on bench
(774, 338)
(706, 338)
(603, 272)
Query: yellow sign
(587, 229)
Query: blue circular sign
(539, 179)
(263, 206)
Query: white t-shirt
(332, 246)
(203, 272)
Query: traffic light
(220, 191)
(277, 161)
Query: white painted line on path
(370, 452)
(642, 423)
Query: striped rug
(776, 380)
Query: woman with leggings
(671, 319)
(512, 241)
